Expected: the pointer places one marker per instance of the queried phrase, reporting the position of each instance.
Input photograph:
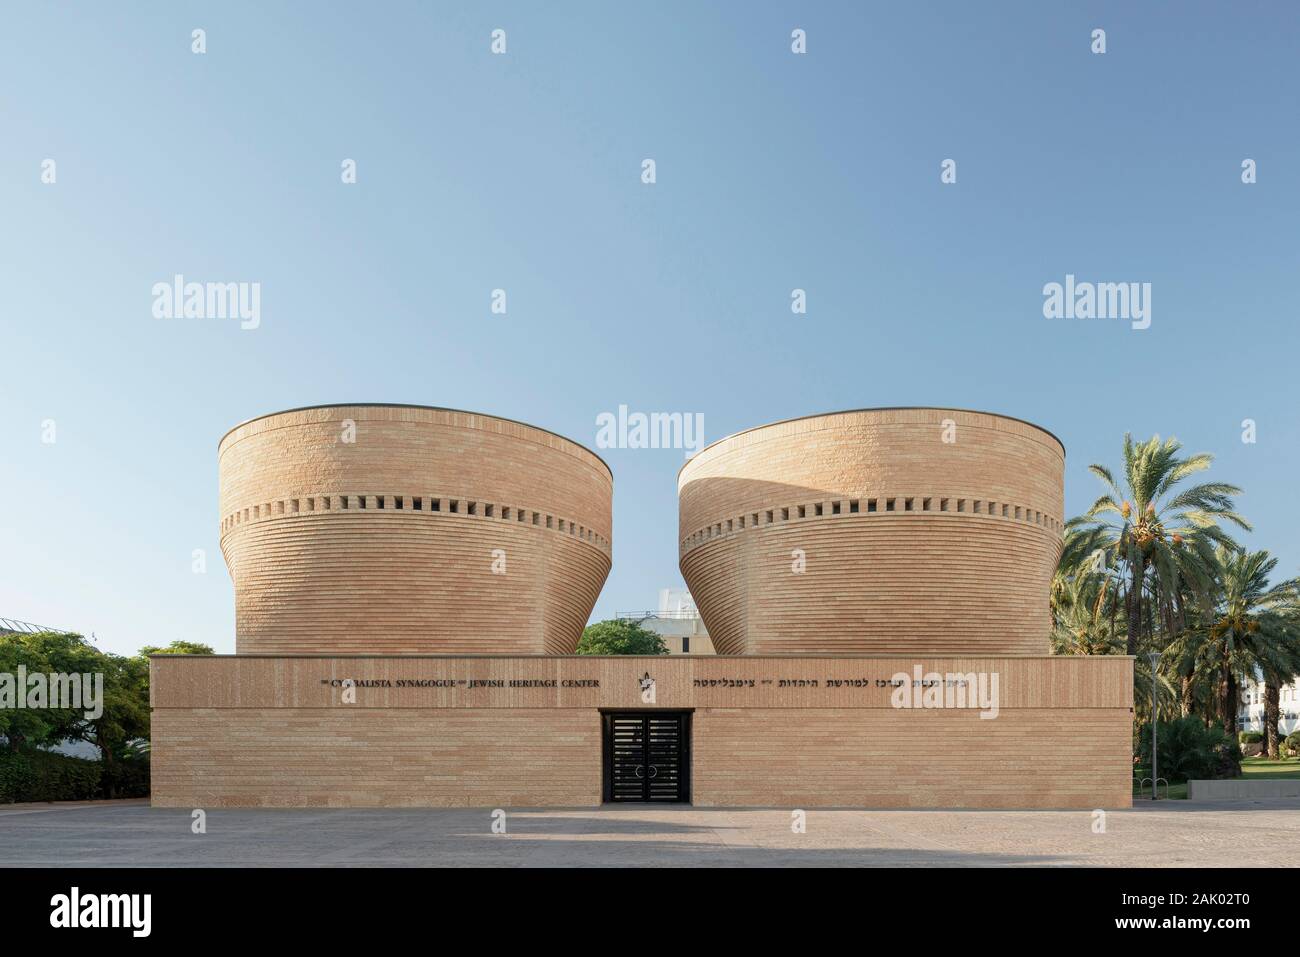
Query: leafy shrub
(33, 775)
(1188, 749)
(126, 778)
(46, 776)
(1250, 737)
(1293, 742)
(1225, 755)
(619, 637)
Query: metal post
(1153, 657)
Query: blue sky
(522, 172)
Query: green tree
(177, 647)
(1157, 529)
(125, 716)
(615, 637)
(45, 652)
(1253, 631)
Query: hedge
(126, 779)
(32, 775)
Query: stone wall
(502, 731)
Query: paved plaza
(1160, 834)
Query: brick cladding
(909, 544)
(387, 544)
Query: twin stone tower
(374, 529)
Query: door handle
(654, 770)
(639, 769)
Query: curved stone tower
(396, 529)
(875, 532)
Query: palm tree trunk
(1188, 697)
(1228, 701)
(106, 765)
(1272, 702)
(1114, 612)
(1133, 604)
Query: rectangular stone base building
(439, 731)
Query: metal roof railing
(681, 613)
(16, 627)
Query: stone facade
(881, 531)
(767, 731)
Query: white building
(677, 621)
(1250, 714)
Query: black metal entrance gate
(647, 756)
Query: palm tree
(1253, 631)
(1185, 655)
(1083, 555)
(1084, 610)
(1151, 526)
(1273, 682)
(1079, 625)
